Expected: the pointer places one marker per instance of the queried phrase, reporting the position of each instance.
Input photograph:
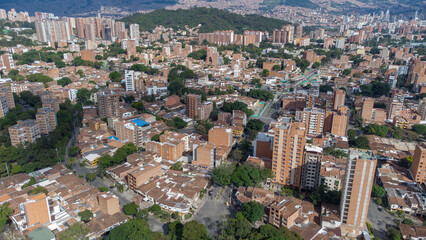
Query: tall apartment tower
(287, 159)
(417, 167)
(314, 119)
(46, 119)
(356, 193)
(24, 131)
(130, 80)
(299, 31)
(6, 99)
(108, 105)
(421, 110)
(193, 104)
(393, 109)
(90, 31)
(79, 22)
(311, 167)
(131, 48)
(134, 31)
(284, 35)
(339, 98)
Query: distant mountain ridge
(75, 7)
(211, 19)
(118, 8)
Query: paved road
(73, 137)
(156, 225)
(379, 220)
(303, 78)
(267, 112)
(213, 212)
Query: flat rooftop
(361, 154)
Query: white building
(130, 80)
(134, 31)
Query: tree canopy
(134, 229)
(119, 156)
(85, 215)
(76, 231)
(5, 212)
(131, 209)
(378, 191)
(115, 76)
(249, 175)
(420, 129)
(237, 105)
(64, 81)
(222, 175)
(83, 94)
(375, 129)
(375, 89)
(38, 77)
(142, 68)
(198, 55)
(211, 19)
(253, 211)
(191, 230)
(255, 124)
(261, 94)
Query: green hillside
(211, 19)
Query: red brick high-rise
(193, 104)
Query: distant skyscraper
(284, 35)
(90, 31)
(340, 43)
(299, 31)
(131, 48)
(387, 16)
(356, 193)
(134, 31)
(53, 31)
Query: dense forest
(211, 19)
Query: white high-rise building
(134, 31)
(387, 16)
(130, 80)
(340, 43)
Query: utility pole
(7, 169)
